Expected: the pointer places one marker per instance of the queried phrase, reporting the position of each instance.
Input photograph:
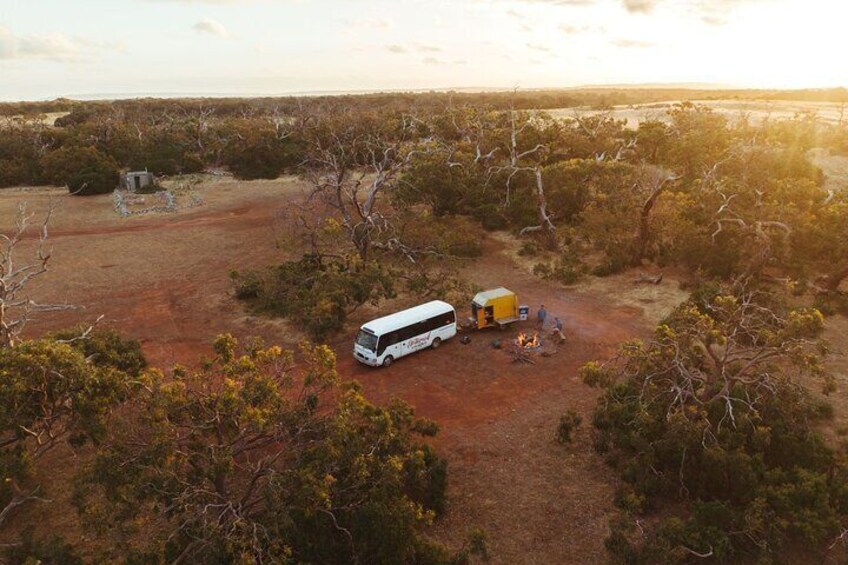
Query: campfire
(526, 341)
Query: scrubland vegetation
(265, 455)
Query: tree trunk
(542, 211)
(643, 233)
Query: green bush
(327, 476)
(568, 424)
(105, 348)
(529, 249)
(612, 265)
(739, 460)
(85, 170)
(567, 269)
(317, 295)
(31, 551)
(456, 236)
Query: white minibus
(385, 339)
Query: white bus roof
(406, 317)
(483, 297)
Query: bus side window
(409, 332)
(385, 341)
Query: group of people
(542, 318)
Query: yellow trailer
(496, 307)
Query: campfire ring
(528, 342)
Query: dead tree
(517, 165)
(759, 230)
(282, 124)
(15, 308)
(351, 170)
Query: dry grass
(834, 167)
(48, 119)
(755, 110)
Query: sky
(103, 48)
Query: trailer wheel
(436, 343)
(388, 360)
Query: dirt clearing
(163, 279)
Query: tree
(261, 457)
(259, 151)
(515, 165)
(711, 416)
(352, 163)
(15, 307)
(50, 393)
(85, 170)
(650, 184)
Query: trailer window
(366, 340)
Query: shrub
(568, 424)
(259, 154)
(51, 550)
(612, 265)
(85, 170)
(315, 294)
(332, 478)
(529, 249)
(740, 450)
(105, 348)
(567, 269)
(58, 396)
(457, 236)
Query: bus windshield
(367, 340)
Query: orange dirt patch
(163, 279)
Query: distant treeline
(520, 100)
(259, 137)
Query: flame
(524, 340)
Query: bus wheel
(436, 343)
(388, 360)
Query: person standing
(541, 316)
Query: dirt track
(163, 279)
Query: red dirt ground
(163, 279)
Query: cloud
(561, 2)
(572, 29)
(442, 62)
(201, 1)
(210, 26)
(539, 47)
(51, 47)
(370, 23)
(420, 47)
(717, 12)
(632, 43)
(640, 6)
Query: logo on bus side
(420, 340)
